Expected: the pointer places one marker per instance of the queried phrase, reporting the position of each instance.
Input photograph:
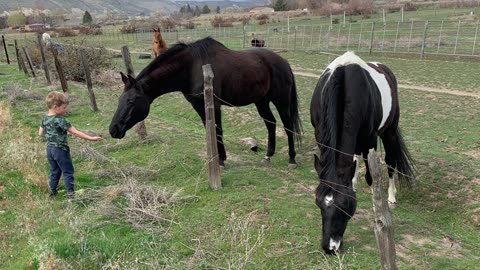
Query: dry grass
(19, 151)
(144, 206)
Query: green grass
(264, 217)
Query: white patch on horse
(329, 199)
(355, 176)
(385, 93)
(334, 245)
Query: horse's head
(133, 107)
(337, 202)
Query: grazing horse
(257, 42)
(254, 75)
(158, 44)
(353, 103)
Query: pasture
(265, 216)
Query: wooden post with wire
(5, 48)
(61, 74)
(83, 58)
(212, 150)
(21, 63)
(29, 60)
(383, 225)
(44, 61)
(140, 127)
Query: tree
(189, 9)
(87, 18)
(280, 5)
(16, 18)
(217, 10)
(197, 12)
(205, 9)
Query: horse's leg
(289, 131)
(356, 159)
(200, 109)
(388, 139)
(222, 155)
(371, 144)
(271, 124)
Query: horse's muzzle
(116, 132)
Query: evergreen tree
(197, 12)
(205, 9)
(218, 10)
(183, 9)
(189, 9)
(280, 5)
(87, 18)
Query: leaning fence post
(29, 61)
(44, 62)
(83, 58)
(58, 66)
(5, 48)
(424, 40)
(140, 127)
(383, 225)
(212, 150)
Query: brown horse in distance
(159, 45)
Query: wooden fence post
(21, 63)
(383, 226)
(29, 61)
(44, 61)
(5, 48)
(212, 150)
(83, 58)
(140, 127)
(244, 36)
(61, 74)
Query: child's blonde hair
(56, 98)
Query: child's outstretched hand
(96, 138)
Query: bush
(219, 21)
(189, 25)
(409, 6)
(65, 32)
(91, 30)
(262, 22)
(128, 28)
(168, 24)
(262, 17)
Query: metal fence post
(396, 37)
(371, 38)
(360, 36)
(475, 39)
(456, 39)
(422, 51)
(440, 36)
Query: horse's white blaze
(355, 176)
(334, 245)
(329, 199)
(392, 190)
(378, 78)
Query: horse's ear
(317, 164)
(124, 78)
(131, 80)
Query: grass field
(264, 217)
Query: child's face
(60, 110)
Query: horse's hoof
(265, 161)
(292, 165)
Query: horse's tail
(294, 115)
(331, 89)
(405, 164)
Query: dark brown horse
(158, 44)
(255, 75)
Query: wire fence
(443, 37)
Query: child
(54, 127)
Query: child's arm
(41, 132)
(82, 135)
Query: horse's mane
(202, 48)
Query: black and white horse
(353, 103)
(50, 44)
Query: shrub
(262, 17)
(219, 21)
(91, 30)
(65, 32)
(168, 24)
(128, 28)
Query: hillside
(122, 6)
